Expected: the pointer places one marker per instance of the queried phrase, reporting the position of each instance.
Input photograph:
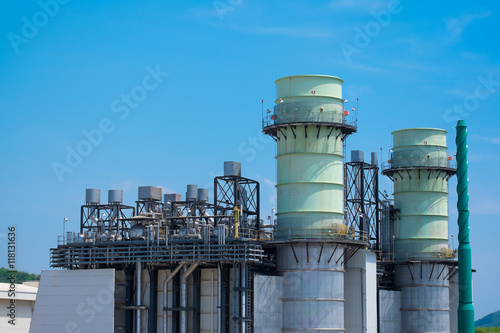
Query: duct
(165, 294)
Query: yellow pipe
(236, 214)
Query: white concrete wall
(268, 313)
(390, 311)
(75, 301)
(208, 301)
(360, 290)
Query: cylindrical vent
(192, 192)
(420, 194)
(115, 196)
(309, 160)
(93, 196)
(203, 194)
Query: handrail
(302, 112)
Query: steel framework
(93, 217)
(362, 211)
(231, 191)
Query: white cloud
(458, 92)
(203, 12)
(471, 56)
(271, 187)
(287, 31)
(491, 139)
(166, 190)
(456, 26)
(355, 91)
(485, 206)
(365, 68)
(365, 5)
(127, 185)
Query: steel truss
(105, 217)
(236, 191)
(362, 211)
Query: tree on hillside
(20, 276)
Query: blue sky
(168, 90)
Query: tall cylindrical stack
(309, 156)
(419, 167)
(465, 308)
(420, 193)
(309, 126)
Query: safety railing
(298, 112)
(83, 255)
(337, 231)
(443, 162)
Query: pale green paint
(419, 147)
(420, 195)
(310, 169)
(302, 85)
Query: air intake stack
(420, 169)
(309, 125)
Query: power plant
(340, 255)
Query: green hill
(487, 330)
(20, 276)
(491, 320)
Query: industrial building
(340, 257)
(22, 309)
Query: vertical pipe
(363, 226)
(211, 303)
(377, 214)
(165, 304)
(129, 316)
(196, 297)
(183, 301)
(165, 294)
(153, 300)
(175, 302)
(138, 288)
(219, 299)
(235, 299)
(465, 307)
(243, 297)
